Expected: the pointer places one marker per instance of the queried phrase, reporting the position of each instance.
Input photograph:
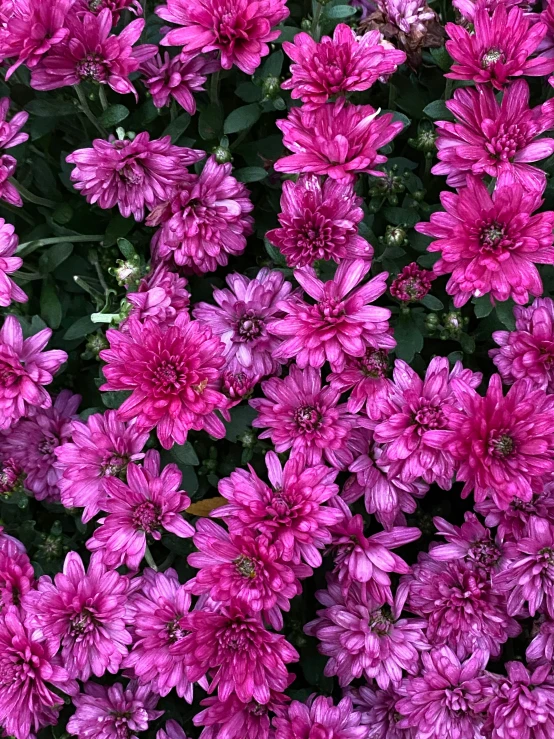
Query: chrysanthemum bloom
(160, 607)
(24, 370)
(239, 30)
(504, 446)
(523, 704)
(468, 8)
(9, 263)
(319, 220)
(411, 432)
(336, 66)
(341, 324)
(242, 319)
(8, 191)
(11, 477)
(367, 379)
(116, 6)
(33, 441)
(462, 608)
(161, 296)
(112, 712)
(319, 717)
(86, 613)
(92, 53)
(17, 576)
(363, 638)
(238, 567)
(6, 538)
(149, 503)
(236, 386)
(205, 221)
(490, 244)
(233, 719)
(172, 371)
(541, 649)
(241, 656)
(528, 352)
(499, 48)
(290, 512)
(336, 140)
(10, 131)
(28, 671)
(412, 284)
(172, 731)
(494, 138)
(471, 542)
(378, 709)
(512, 522)
(301, 415)
(133, 175)
(100, 448)
(176, 79)
(446, 700)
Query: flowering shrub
(276, 369)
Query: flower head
(319, 717)
(161, 296)
(9, 291)
(115, 6)
(176, 78)
(8, 190)
(512, 521)
(541, 649)
(367, 377)
(17, 576)
(471, 542)
(10, 131)
(234, 719)
(412, 284)
(378, 709)
(172, 731)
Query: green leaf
(184, 454)
(409, 339)
(401, 216)
(274, 254)
(467, 343)
(428, 260)
(114, 115)
(54, 256)
(272, 66)
(81, 328)
(210, 122)
(48, 109)
(113, 400)
(437, 110)
(340, 12)
(177, 127)
(50, 306)
(117, 228)
(250, 174)
(241, 421)
(249, 92)
(242, 118)
(126, 248)
(483, 306)
(431, 302)
(505, 313)
(287, 34)
(442, 58)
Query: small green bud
(395, 236)
(222, 155)
(271, 87)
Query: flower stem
(214, 89)
(316, 17)
(103, 99)
(30, 246)
(36, 199)
(87, 111)
(150, 559)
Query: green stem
(103, 99)
(18, 212)
(31, 246)
(392, 96)
(150, 559)
(85, 108)
(316, 17)
(448, 89)
(36, 199)
(214, 89)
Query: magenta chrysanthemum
(172, 730)
(133, 175)
(177, 78)
(471, 542)
(378, 709)
(234, 719)
(412, 284)
(541, 648)
(17, 576)
(468, 8)
(161, 296)
(9, 263)
(367, 379)
(10, 131)
(319, 717)
(512, 521)
(335, 140)
(172, 373)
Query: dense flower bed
(276, 369)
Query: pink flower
(84, 613)
(341, 324)
(468, 8)
(499, 48)
(242, 320)
(364, 639)
(148, 504)
(528, 352)
(24, 370)
(172, 731)
(9, 263)
(336, 140)
(289, 513)
(241, 656)
(93, 53)
(319, 717)
(28, 671)
(299, 414)
(367, 378)
(491, 244)
(504, 446)
(378, 709)
(319, 220)
(494, 138)
(100, 448)
(133, 175)
(161, 296)
(172, 371)
(161, 605)
(412, 432)
(541, 649)
(336, 66)
(409, 16)
(176, 79)
(412, 284)
(234, 719)
(237, 385)
(115, 6)
(10, 131)
(239, 29)
(446, 700)
(205, 221)
(512, 521)
(471, 542)
(112, 712)
(17, 576)
(8, 191)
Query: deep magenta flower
(24, 370)
(301, 415)
(112, 712)
(504, 446)
(336, 140)
(412, 284)
(28, 672)
(289, 512)
(161, 296)
(92, 53)
(499, 49)
(494, 138)
(149, 503)
(239, 30)
(367, 377)
(411, 432)
(364, 639)
(491, 244)
(100, 448)
(85, 612)
(471, 542)
(205, 221)
(235, 386)
(133, 175)
(9, 263)
(241, 656)
(338, 65)
(513, 520)
(446, 700)
(172, 371)
(161, 606)
(319, 220)
(17, 576)
(528, 352)
(242, 317)
(319, 717)
(176, 78)
(234, 719)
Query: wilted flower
(177, 78)
(9, 263)
(320, 716)
(161, 296)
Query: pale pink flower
(9, 290)
(176, 78)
